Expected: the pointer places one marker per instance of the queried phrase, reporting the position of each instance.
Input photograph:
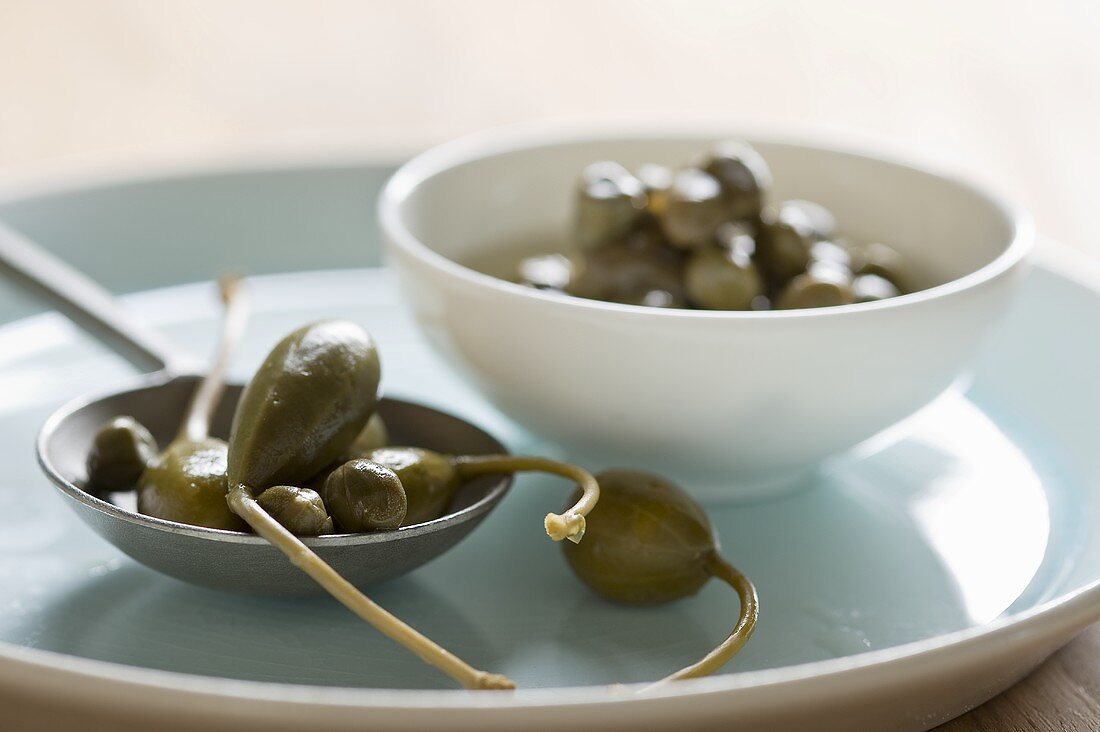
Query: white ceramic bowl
(755, 397)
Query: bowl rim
(478, 508)
(529, 136)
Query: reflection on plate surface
(947, 527)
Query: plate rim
(1060, 616)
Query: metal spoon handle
(84, 302)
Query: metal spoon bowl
(226, 560)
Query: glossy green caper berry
(309, 399)
(871, 288)
(362, 495)
(718, 279)
(819, 287)
(300, 510)
(121, 450)
(646, 541)
(187, 483)
(694, 208)
(545, 272)
(744, 176)
(813, 220)
(656, 181)
(610, 201)
(429, 478)
(782, 253)
(371, 437)
(882, 260)
(831, 253)
(626, 272)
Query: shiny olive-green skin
(429, 479)
(609, 203)
(373, 436)
(309, 399)
(300, 510)
(782, 253)
(694, 207)
(646, 541)
(545, 272)
(121, 450)
(744, 176)
(717, 279)
(879, 259)
(625, 272)
(362, 495)
(813, 220)
(656, 180)
(187, 483)
(819, 287)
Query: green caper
(831, 253)
(871, 288)
(429, 479)
(819, 287)
(720, 279)
(647, 542)
(813, 220)
(374, 435)
(627, 271)
(879, 259)
(187, 483)
(656, 180)
(782, 253)
(300, 510)
(695, 207)
(362, 496)
(744, 176)
(545, 272)
(121, 450)
(610, 202)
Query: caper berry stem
(196, 422)
(244, 505)
(569, 525)
(746, 622)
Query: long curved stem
(301, 556)
(569, 525)
(196, 422)
(746, 622)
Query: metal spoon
(221, 559)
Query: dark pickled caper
(647, 542)
(121, 450)
(373, 436)
(871, 288)
(813, 220)
(695, 207)
(819, 287)
(719, 279)
(430, 479)
(879, 259)
(545, 272)
(782, 253)
(362, 496)
(187, 483)
(626, 272)
(744, 176)
(300, 510)
(610, 201)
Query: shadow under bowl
(239, 562)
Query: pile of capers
(707, 237)
(308, 455)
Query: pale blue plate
(978, 510)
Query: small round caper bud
(300, 510)
(882, 260)
(627, 271)
(695, 207)
(545, 272)
(813, 220)
(363, 496)
(831, 253)
(781, 252)
(656, 180)
(609, 203)
(820, 286)
(744, 176)
(121, 450)
(429, 479)
(871, 288)
(718, 279)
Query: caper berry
(626, 272)
(695, 207)
(744, 176)
(187, 483)
(429, 479)
(656, 180)
(362, 496)
(813, 220)
(819, 287)
(610, 201)
(373, 436)
(300, 510)
(718, 279)
(121, 450)
(879, 259)
(782, 253)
